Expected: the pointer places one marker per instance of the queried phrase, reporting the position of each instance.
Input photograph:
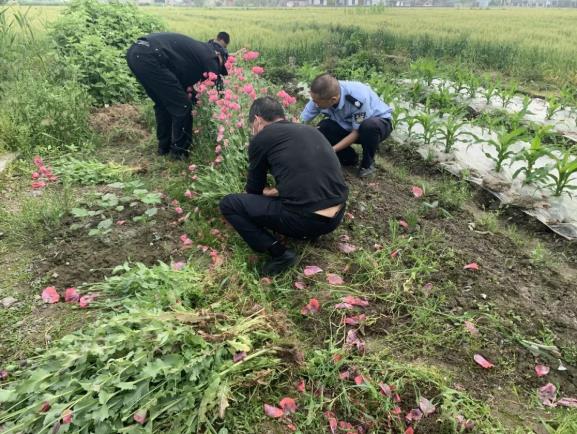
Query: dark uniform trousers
(372, 131)
(172, 108)
(252, 214)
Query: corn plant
(502, 145)
(491, 89)
(425, 69)
(442, 100)
(411, 122)
(530, 155)
(416, 92)
(450, 132)
(474, 83)
(553, 106)
(566, 168)
(461, 79)
(429, 122)
(507, 94)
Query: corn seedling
(553, 106)
(491, 89)
(450, 132)
(416, 92)
(502, 145)
(566, 167)
(442, 100)
(507, 94)
(411, 122)
(530, 155)
(473, 83)
(429, 122)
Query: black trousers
(371, 132)
(252, 215)
(172, 108)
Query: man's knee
(370, 125)
(228, 204)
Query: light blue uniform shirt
(351, 112)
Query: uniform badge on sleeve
(359, 117)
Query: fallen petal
(334, 279)
(347, 248)
(67, 417)
(345, 375)
(472, 266)
(311, 270)
(541, 370)
(470, 327)
(547, 394)
(343, 306)
(404, 224)
(272, 411)
(85, 300)
(50, 296)
(481, 361)
(417, 191)
(71, 295)
(568, 402)
(355, 320)
(359, 380)
(414, 415)
(301, 386)
(426, 406)
(292, 427)
(355, 301)
(333, 422)
(299, 285)
(288, 405)
(410, 430)
(177, 266)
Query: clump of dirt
(121, 123)
(75, 258)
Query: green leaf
(151, 212)
(79, 212)
(105, 224)
(7, 395)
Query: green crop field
(444, 303)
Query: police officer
(167, 64)
(355, 114)
(310, 193)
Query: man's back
(306, 170)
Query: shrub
(39, 112)
(94, 37)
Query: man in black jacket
(310, 194)
(167, 64)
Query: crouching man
(310, 194)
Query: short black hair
(223, 36)
(325, 86)
(267, 107)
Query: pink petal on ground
(403, 224)
(547, 394)
(409, 430)
(355, 320)
(35, 175)
(333, 422)
(120, 222)
(334, 279)
(85, 300)
(396, 411)
(541, 370)
(177, 266)
(386, 390)
(355, 301)
(301, 386)
(353, 340)
(188, 194)
(288, 405)
(414, 415)
(272, 411)
(239, 356)
(417, 191)
(483, 362)
(50, 296)
(292, 427)
(343, 306)
(359, 380)
(3, 374)
(464, 424)
(347, 247)
(38, 184)
(345, 375)
(140, 416)
(345, 238)
(299, 285)
(470, 327)
(312, 307)
(426, 406)
(178, 210)
(345, 426)
(394, 253)
(311, 270)
(185, 240)
(568, 402)
(472, 266)
(71, 295)
(67, 417)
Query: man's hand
(346, 141)
(270, 192)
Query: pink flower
(218, 149)
(192, 168)
(218, 159)
(188, 194)
(177, 266)
(212, 76)
(45, 407)
(140, 416)
(67, 417)
(178, 210)
(38, 184)
(50, 296)
(258, 70)
(71, 295)
(85, 300)
(185, 240)
(35, 175)
(239, 356)
(240, 124)
(311, 270)
(248, 89)
(312, 307)
(250, 55)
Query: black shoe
(163, 150)
(278, 264)
(365, 172)
(179, 156)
